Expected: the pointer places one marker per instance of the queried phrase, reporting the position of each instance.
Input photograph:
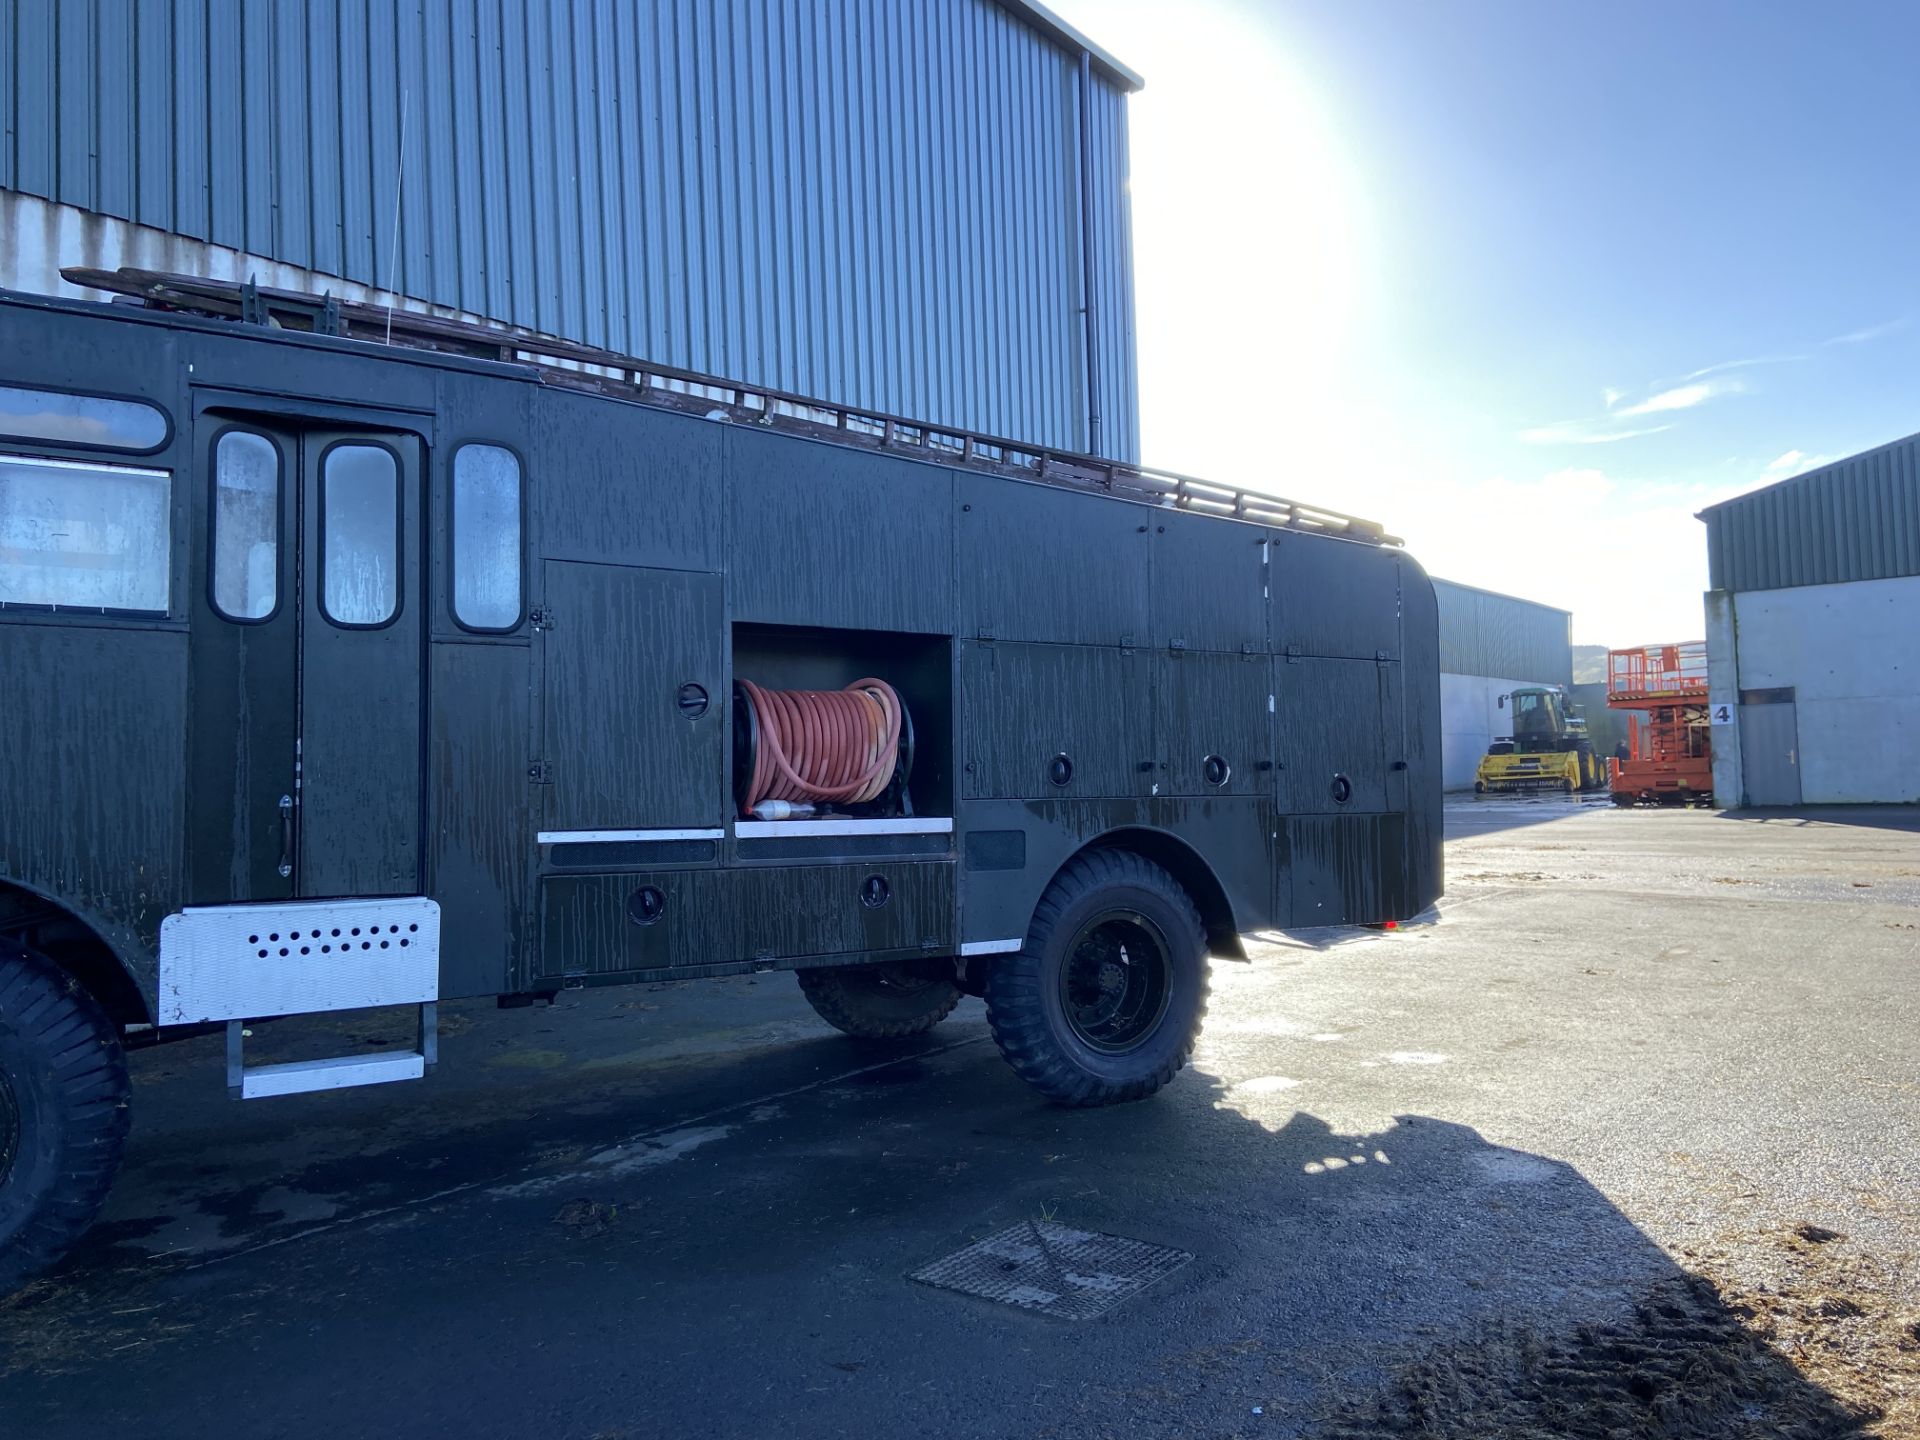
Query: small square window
(83, 536)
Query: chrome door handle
(286, 836)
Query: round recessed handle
(646, 905)
(1060, 768)
(693, 700)
(1341, 789)
(875, 892)
(1216, 769)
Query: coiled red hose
(823, 745)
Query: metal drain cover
(1069, 1274)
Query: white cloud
(1794, 462)
(1577, 485)
(1606, 431)
(1685, 397)
(1871, 332)
(1746, 364)
(1582, 432)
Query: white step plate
(832, 825)
(340, 1072)
(248, 962)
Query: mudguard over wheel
(882, 1002)
(1104, 1001)
(63, 1112)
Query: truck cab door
(306, 641)
(360, 797)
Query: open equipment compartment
(918, 667)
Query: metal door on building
(1770, 752)
(306, 636)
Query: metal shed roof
(1483, 632)
(878, 204)
(1856, 519)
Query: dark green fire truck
(358, 660)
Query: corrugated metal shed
(1856, 519)
(872, 201)
(1485, 633)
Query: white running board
(335, 1072)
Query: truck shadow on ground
(1506, 1297)
(1871, 817)
(1408, 1280)
(1471, 815)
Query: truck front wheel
(882, 1002)
(1104, 1001)
(63, 1112)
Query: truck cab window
(360, 535)
(84, 536)
(486, 537)
(246, 526)
(92, 420)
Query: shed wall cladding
(1482, 633)
(872, 201)
(1857, 519)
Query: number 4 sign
(1723, 714)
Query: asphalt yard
(1623, 1141)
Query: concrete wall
(1469, 719)
(1723, 696)
(1852, 654)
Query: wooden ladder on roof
(625, 377)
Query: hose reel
(798, 753)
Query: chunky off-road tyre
(63, 1112)
(881, 1002)
(1104, 1000)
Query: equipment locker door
(635, 704)
(307, 660)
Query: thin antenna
(399, 181)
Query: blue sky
(1530, 282)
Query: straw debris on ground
(1802, 1336)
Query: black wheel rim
(1116, 981)
(9, 1129)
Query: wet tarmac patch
(906, 1072)
(585, 1219)
(619, 1161)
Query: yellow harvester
(1548, 750)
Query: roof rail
(606, 372)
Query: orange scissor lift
(1670, 744)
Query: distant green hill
(1589, 664)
